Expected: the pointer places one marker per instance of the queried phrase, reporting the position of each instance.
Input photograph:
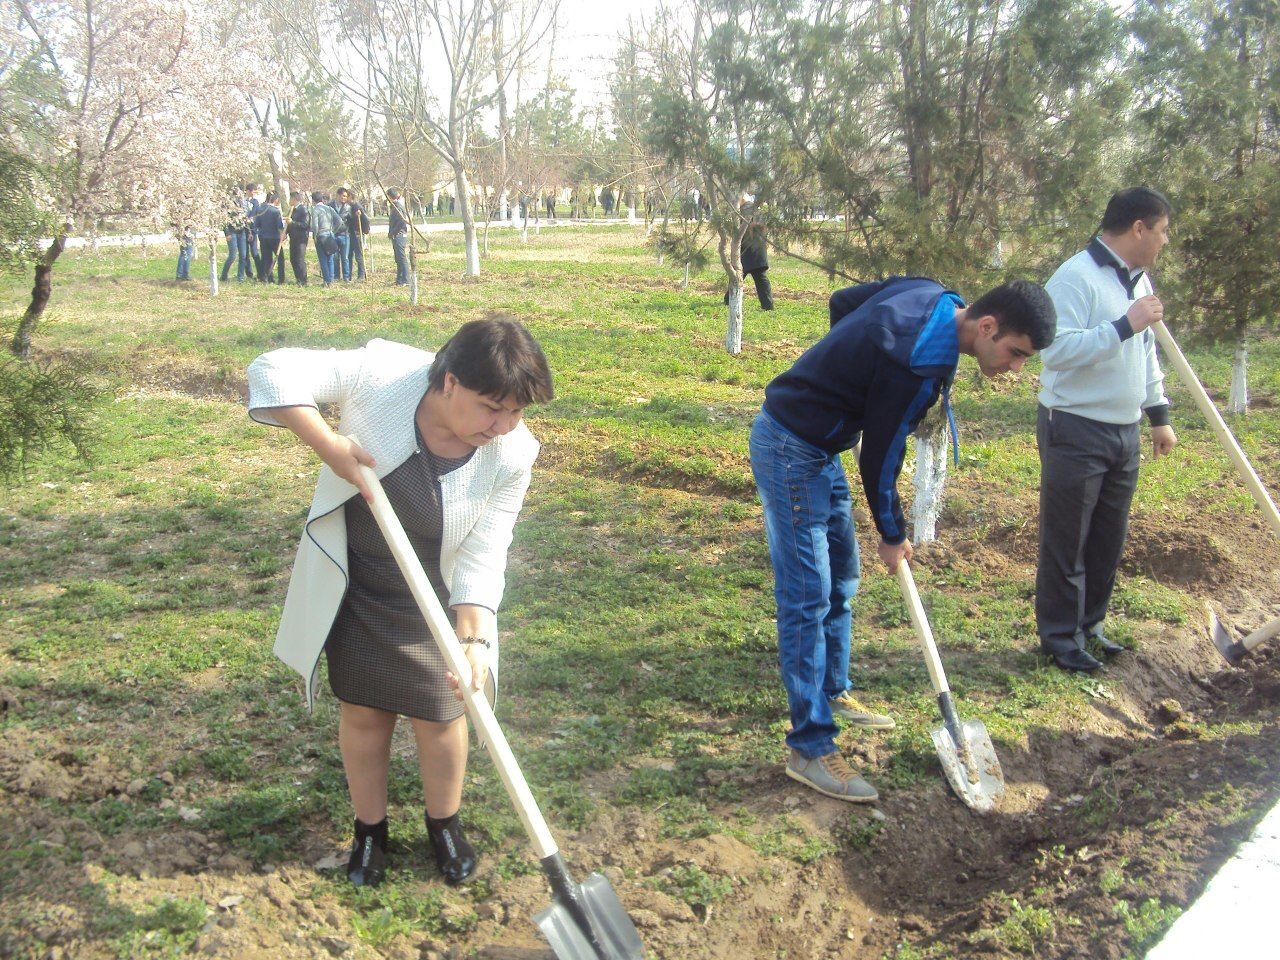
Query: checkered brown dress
(380, 651)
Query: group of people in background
(256, 232)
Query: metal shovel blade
(1234, 651)
(598, 909)
(981, 782)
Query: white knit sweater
(377, 390)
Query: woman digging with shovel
(444, 435)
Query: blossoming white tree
(147, 123)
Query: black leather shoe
(1075, 660)
(1109, 647)
(455, 856)
(367, 864)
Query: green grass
(140, 592)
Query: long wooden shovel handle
(447, 641)
(921, 622)
(1227, 438)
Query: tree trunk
(930, 476)
(733, 335)
(1239, 399)
(41, 290)
(413, 274)
(213, 267)
(684, 285)
(462, 190)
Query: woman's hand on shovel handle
(475, 622)
(1163, 440)
(478, 657)
(892, 554)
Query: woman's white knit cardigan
(377, 390)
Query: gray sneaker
(831, 776)
(848, 708)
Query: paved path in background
(427, 226)
(1233, 919)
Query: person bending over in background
(891, 352)
(444, 433)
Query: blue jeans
(186, 253)
(326, 260)
(344, 256)
(808, 518)
(238, 253)
(398, 244)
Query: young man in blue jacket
(891, 353)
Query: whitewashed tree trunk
(473, 255)
(733, 335)
(1238, 402)
(213, 267)
(631, 215)
(930, 476)
(502, 206)
(684, 284)
(413, 276)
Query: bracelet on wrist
(468, 640)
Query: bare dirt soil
(1133, 804)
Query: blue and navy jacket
(891, 352)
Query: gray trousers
(1088, 473)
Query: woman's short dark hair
(497, 357)
(1137, 203)
(1019, 306)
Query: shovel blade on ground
(614, 933)
(981, 785)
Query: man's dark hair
(272, 196)
(1136, 203)
(1019, 306)
(497, 357)
(295, 194)
(393, 194)
(317, 196)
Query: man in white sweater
(1100, 377)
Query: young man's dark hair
(295, 195)
(317, 196)
(1136, 203)
(497, 357)
(272, 196)
(393, 194)
(1019, 306)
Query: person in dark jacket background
(398, 232)
(299, 229)
(754, 255)
(357, 222)
(269, 223)
(890, 354)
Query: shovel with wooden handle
(965, 749)
(1233, 650)
(586, 921)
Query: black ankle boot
(367, 863)
(455, 856)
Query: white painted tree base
(930, 476)
(1238, 402)
(733, 334)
